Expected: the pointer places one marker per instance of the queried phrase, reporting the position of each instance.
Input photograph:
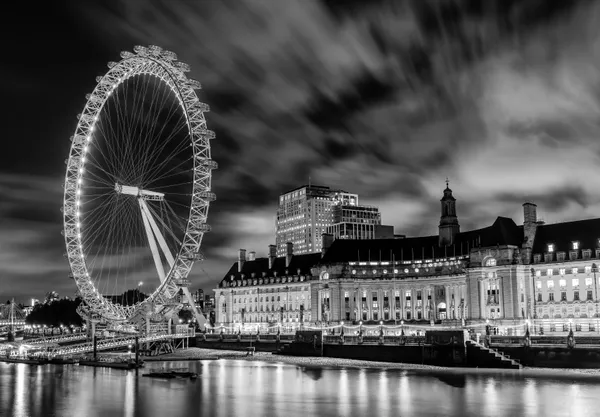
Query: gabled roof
(504, 231)
(260, 265)
(562, 235)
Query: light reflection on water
(241, 388)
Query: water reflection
(240, 388)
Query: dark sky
(381, 98)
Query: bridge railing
(55, 339)
(107, 344)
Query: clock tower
(449, 226)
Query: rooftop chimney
(326, 240)
(530, 224)
(241, 259)
(272, 255)
(251, 256)
(289, 253)
(529, 213)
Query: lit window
(574, 271)
(588, 282)
(575, 245)
(538, 285)
(538, 273)
(550, 284)
(549, 272)
(588, 269)
(575, 282)
(562, 271)
(562, 282)
(551, 247)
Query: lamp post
(401, 327)
(594, 270)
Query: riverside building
(536, 275)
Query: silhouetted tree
(56, 313)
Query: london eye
(138, 186)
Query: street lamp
(594, 270)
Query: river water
(251, 388)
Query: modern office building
(536, 275)
(358, 222)
(304, 214)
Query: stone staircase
(490, 358)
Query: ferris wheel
(138, 187)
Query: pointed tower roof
(448, 193)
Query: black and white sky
(382, 98)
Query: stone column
(335, 302)
(448, 300)
(315, 305)
(380, 302)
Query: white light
(85, 149)
(89, 138)
(78, 192)
(83, 159)
(79, 181)
(78, 214)
(78, 224)
(77, 204)
(81, 170)
(92, 128)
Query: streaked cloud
(382, 98)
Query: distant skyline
(380, 98)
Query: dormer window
(550, 247)
(490, 262)
(575, 245)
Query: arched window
(442, 311)
(490, 262)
